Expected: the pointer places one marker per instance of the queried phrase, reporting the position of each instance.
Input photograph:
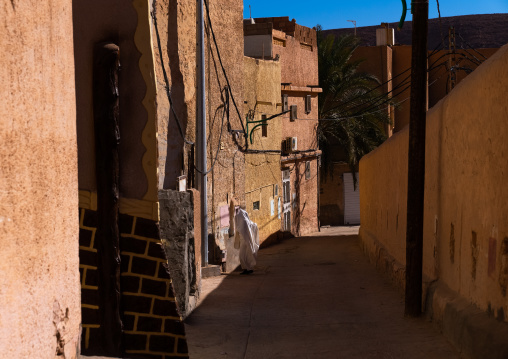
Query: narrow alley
(311, 297)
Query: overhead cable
(166, 81)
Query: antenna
(251, 20)
(354, 23)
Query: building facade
(128, 302)
(295, 47)
(40, 312)
(465, 236)
(391, 64)
(263, 182)
(177, 30)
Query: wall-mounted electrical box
(289, 145)
(294, 144)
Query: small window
(285, 105)
(279, 42)
(276, 190)
(255, 205)
(264, 127)
(307, 170)
(308, 104)
(294, 113)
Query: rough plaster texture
(298, 53)
(262, 89)
(300, 68)
(295, 48)
(259, 46)
(178, 20)
(299, 65)
(465, 195)
(401, 56)
(177, 234)
(40, 310)
(303, 191)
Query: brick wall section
(153, 327)
(280, 23)
(257, 29)
(89, 280)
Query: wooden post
(107, 138)
(416, 160)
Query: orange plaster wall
(465, 230)
(39, 275)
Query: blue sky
(334, 14)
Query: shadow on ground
(310, 297)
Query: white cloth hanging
(247, 239)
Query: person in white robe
(247, 239)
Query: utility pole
(452, 60)
(416, 160)
(201, 129)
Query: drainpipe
(201, 130)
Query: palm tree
(352, 111)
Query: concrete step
(210, 271)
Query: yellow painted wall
(465, 189)
(262, 92)
(39, 225)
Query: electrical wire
(371, 90)
(472, 48)
(351, 117)
(166, 81)
(440, 24)
(386, 82)
(224, 71)
(382, 103)
(220, 136)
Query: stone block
(154, 287)
(143, 266)
(160, 343)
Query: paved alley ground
(310, 297)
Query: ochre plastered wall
(40, 311)
(392, 63)
(297, 54)
(177, 27)
(465, 229)
(130, 30)
(262, 88)
(304, 195)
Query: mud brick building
(263, 182)
(128, 303)
(295, 47)
(177, 29)
(468, 41)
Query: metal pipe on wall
(201, 129)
